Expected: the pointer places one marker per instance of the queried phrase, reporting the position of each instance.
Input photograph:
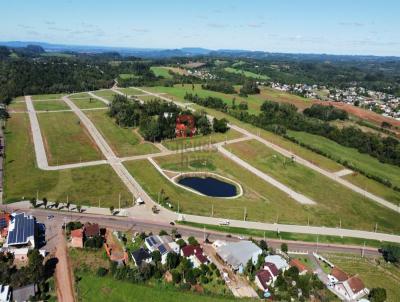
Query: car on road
(49, 217)
(224, 222)
(172, 223)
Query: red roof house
(77, 238)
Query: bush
(101, 272)
(192, 241)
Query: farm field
(364, 162)
(50, 105)
(200, 140)
(23, 178)
(123, 141)
(66, 139)
(271, 94)
(161, 72)
(247, 74)
(315, 158)
(107, 94)
(373, 272)
(89, 103)
(331, 197)
(93, 288)
(54, 96)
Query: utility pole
(264, 235)
(212, 210)
(363, 251)
(376, 227)
(37, 195)
(119, 201)
(245, 214)
(340, 223)
(178, 207)
(317, 243)
(99, 202)
(204, 233)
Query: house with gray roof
(21, 231)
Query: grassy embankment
(23, 178)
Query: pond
(209, 186)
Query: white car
(224, 222)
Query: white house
(280, 263)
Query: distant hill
(193, 52)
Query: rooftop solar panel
(23, 228)
(162, 249)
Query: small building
(355, 288)
(280, 263)
(303, 269)
(4, 223)
(195, 254)
(337, 275)
(5, 293)
(25, 293)
(164, 244)
(263, 279)
(77, 238)
(91, 230)
(141, 255)
(21, 231)
(237, 254)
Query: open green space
(127, 76)
(22, 178)
(271, 94)
(51, 105)
(66, 139)
(89, 103)
(161, 72)
(130, 91)
(54, 96)
(79, 95)
(284, 235)
(17, 105)
(373, 272)
(106, 93)
(362, 161)
(123, 141)
(200, 140)
(247, 74)
(93, 288)
(312, 157)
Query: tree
(221, 125)
(79, 208)
(33, 202)
(263, 245)
(377, 294)
(193, 241)
(176, 276)
(68, 205)
(45, 201)
(203, 125)
(181, 243)
(56, 204)
(284, 247)
(391, 253)
(249, 269)
(163, 233)
(156, 256)
(112, 210)
(172, 260)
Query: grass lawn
(283, 97)
(263, 202)
(373, 272)
(79, 95)
(363, 161)
(93, 288)
(123, 141)
(130, 91)
(106, 93)
(200, 140)
(284, 235)
(66, 139)
(247, 74)
(333, 200)
(315, 158)
(127, 76)
(53, 96)
(161, 72)
(23, 178)
(89, 103)
(17, 106)
(51, 105)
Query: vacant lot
(130, 91)
(284, 97)
(123, 141)
(51, 105)
(161, 72)
(79, 95)
(363, 161)
(200, 140)
(54, 96)
(66, 139)
(106, 93)
(334, 201)
(247, 74)
(89, 103)
(373, 272)
(92, 288)
(17, 105)
(24, 179)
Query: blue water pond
(209, 186)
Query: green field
(127, 76)
(89, 103)
(178, 93)
(363, 161)
(93, 288)
(23, 178)
(53, 105)
(107, 94)
(123, 141)
(161, 72)
(334, 201)
(373, 272)
(200, 140)
(17, 106)
(247, 74)
(79, 95)
(66, 139)
(130, 91)
(54, 96)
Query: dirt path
(64, 283)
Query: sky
(307, 26)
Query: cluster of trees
(210, 102)
(219, 86)
(35, 272)
(326, 113)
(249, 87)
(391, 253)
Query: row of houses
(78, 236)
